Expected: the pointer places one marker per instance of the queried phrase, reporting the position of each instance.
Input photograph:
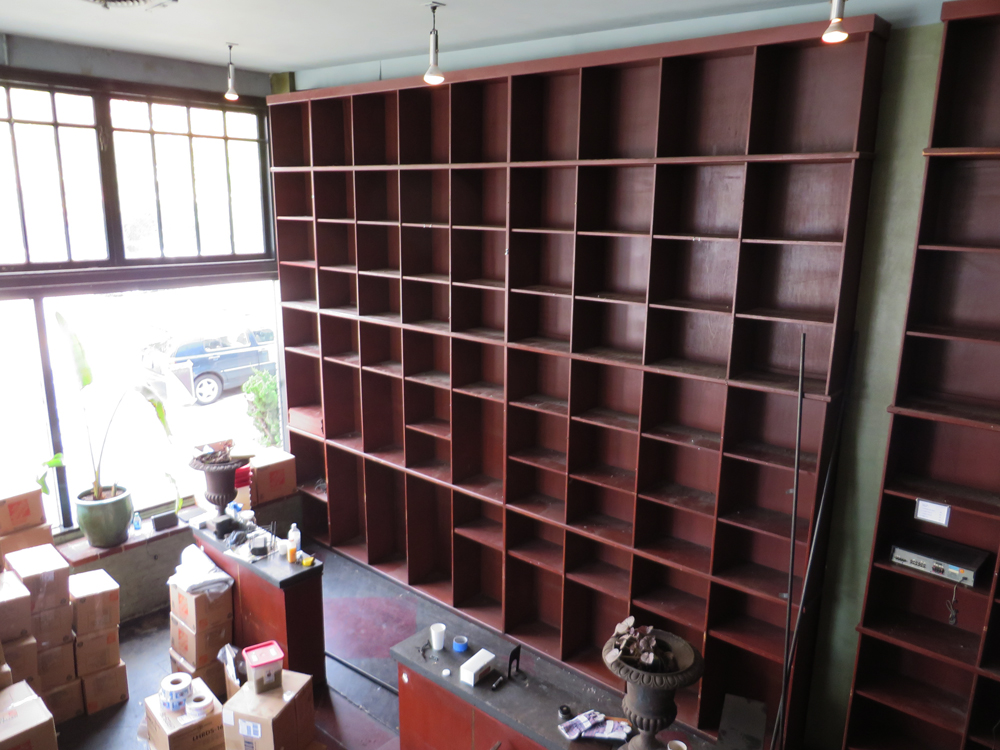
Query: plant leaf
(43, 482)
(612, 656)
(55, 462)
(646, 658)
(161, 413)
(83, 372)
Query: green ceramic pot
(105, 522)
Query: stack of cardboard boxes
(25, 722)
(95, 599)
(22, 521)
(201, 624)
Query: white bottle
(295, 537)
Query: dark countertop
(275, 569)
(528, 703)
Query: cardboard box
(272, 476)
(6, 676)
(97, 651)
(276, 720)
(105, 689)
(66, 701)
(15, 608)
(22, 656)
(44, 572)
(174, 731)
(56, 667)
(21, 509)
(96, 600)
(25, 722)
(32, 536)
(199, 611)
(212, 674)
(53, 627)
(201, 647)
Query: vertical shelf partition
(922, 678)
(550, 317)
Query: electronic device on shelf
(939, 557)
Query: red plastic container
(264, 666)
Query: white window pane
(29, 445)
(170, 118)
(11, 241)
(173, 171)
(212, 186)
(248, 220)
(73, 109)
(40, 192)
(84, 202)
(206, 122)
(3, 102)
(29, 104)
(241, 125)
(131, 115)
(137, 194)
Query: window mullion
(109, 179)
(194, 184)
(62, 182)
(17, 179)
(55, 434)
(265, 187)
(229, 188)
(156, 183)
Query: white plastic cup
(437, 636)
(676, 745)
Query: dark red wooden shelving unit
(551, 312)
(919, 681)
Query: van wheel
(207, 389)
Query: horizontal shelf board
(750, 634)
(679, 434)
(294, 218)
(979, 152)
(679, 496)
(770, 522)
(539, 552)
(328, 220)
(438, 428)
(309, 350)
(690, 368)
(676, 605)
(481, 283)
(926, 636)
(615, 420)
(305, 434)
(603, 577)
(540, 507)
(693, 305)
(938, 409)
(952, 333)
(481, 333)
(538, 635)
(794, 241)
(620, 297)
(342, 311)
(788, 316)
(541, 344)
(434, 378)
(541, 402)
(310, 264)
(611, 477)
(546, 290)
(438, 470)
(348, 358)
(918, 699)
(698, 237)
(482, 227)
(612, 233)
(349, 440)
(394, 568)
(393, 369)
(771, 455)
(484, 531)
(341, 268)
(981, 589)
(439, 589)
(484, 609)
(605, 528)
(542, 458)
(679, 553)
(378, 222)
(422, 225)
(759, 579)
(306, 305)
(310, 489)
(483, 487)
(776, 382)
(434, 326)
(482, 389)
(543, 230)
(428, 278)
(383, 317)
(610, 354)
(388, 273)
(960, 248)
(392, 454)
(965, 498)
(355, 548)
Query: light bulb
(434, 76)
(835, 33)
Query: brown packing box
(199, 611)
(213, 673)
(25, 722)
(56, 667)
(22, 656)
(33, 536)
(272, 476)
(20, 509)
(277, 720)
(15, 608)
(53, 627)
(105, 689)
(6, 676)
(44, 572)
(96, 601)
(201, 647)
(174, 731)
(97, 651)
(66, 701)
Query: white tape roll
(199, 706)
(174, 691)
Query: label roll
(175, 689)
(199, 706)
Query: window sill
(79, 552)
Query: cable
(952, 608)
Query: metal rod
(363, 673)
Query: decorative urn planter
(105, 522)
(220, 478)
(649, 696)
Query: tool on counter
(565, 714)
(575, 727)
(499, 682)
(512, 660)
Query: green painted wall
(903, 132)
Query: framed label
(932, 512)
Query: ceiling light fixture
(434, 76)
(835, 33)
(231, 94)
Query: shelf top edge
(958, 10)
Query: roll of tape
(174, 691)
(460, 644)
(171, 705)
(199, 706)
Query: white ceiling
(282, 35)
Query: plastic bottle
(294, 542)
(136, 521)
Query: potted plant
(104, 511)
(655, 664)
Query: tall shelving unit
(921, 682)
(550, 313)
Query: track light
(434, 76)
(231, 94)
(835, 33)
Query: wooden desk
(274, 600)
